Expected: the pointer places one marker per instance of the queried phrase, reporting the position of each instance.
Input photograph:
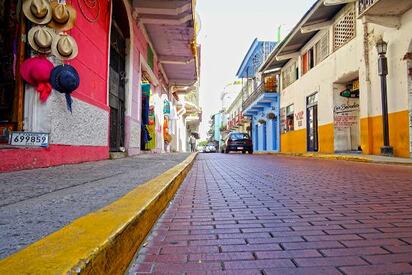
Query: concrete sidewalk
(35, 203)
(260, 214)
(352, 157)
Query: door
(264, 135)
(274, 134)
(256, 137)
(312, 128)
(117, 87)
(12, 53)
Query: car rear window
(238, 136)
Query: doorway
(264, 136)
(274, 134)
(312, 122)
(12, 53)
(256, 137)
(117, 78)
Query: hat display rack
(47, 37)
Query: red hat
(36, 71)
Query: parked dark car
(237, 141)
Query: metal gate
(117, 87)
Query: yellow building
(330, 86)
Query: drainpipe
(368, 88)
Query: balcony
(260, 90)
(384, 7)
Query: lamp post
(382, 47)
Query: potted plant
(271, 116)
(262, 121)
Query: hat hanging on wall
(65, 79)
(41, 38)
(64, 47)
(63, 16)
(37, 11)
(36, 71)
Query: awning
(170, 26)
(318, 14)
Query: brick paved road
(241, 214)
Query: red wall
(29, 158)
(92, 61)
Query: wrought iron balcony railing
(365, 4)
(261, 89)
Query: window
(290, 118)
(344, 29)
(289, 75)
(270, 83)
(239, 136)
(308, 61)
(322, 48)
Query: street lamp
(382, 48)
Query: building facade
(121, 49)
(330, 86)
(260, 100)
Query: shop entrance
(11, 55)
(117, 77)
(346, 117)
(312, 123)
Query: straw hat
(37, 11)
(64, 47)
(41, 38)
(63, 16)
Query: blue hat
(65, 79)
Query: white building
(330, 87)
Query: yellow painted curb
(324, 156)
(105, 241)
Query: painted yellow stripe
(105, 241)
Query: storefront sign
(345, 108)
(29, 139)
(283, 126)
(299, 118)
(346, 115)
(343, 121)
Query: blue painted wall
(266, 136)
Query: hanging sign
(352, 91)
(166, 107)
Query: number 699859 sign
(29, 139)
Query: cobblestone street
(258, 214)
(35, 203)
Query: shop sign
(283, 120)
(355, 85)
(29, 139)
(346, 115)
(352, 91)
(346, 107)
(299, 118)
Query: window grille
(344, 29)
(322, 48)
(289, 75)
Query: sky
(228, 28)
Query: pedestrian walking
(192, 141)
